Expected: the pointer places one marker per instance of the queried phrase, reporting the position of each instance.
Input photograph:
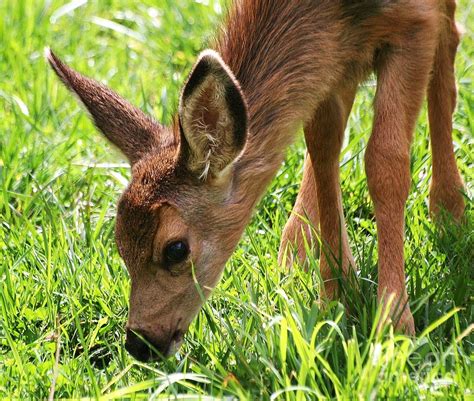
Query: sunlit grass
(264, 333)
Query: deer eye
(176, 252)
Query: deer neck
(283, 58)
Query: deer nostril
(141, 347)
(137, 347)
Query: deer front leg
(300, 229)
(388, 173)
(324, 137)
(402, 81)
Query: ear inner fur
(213, 116)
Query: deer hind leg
(402, 80)
(303, 223)
(324, 136)
(446, 183)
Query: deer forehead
(142, 228)
(154, 209)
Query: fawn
(277, 65)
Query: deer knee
(388, 173)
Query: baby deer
(278, 65)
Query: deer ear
(213, 117)
(127, 127)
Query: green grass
(263, 334)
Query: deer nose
(144, 349)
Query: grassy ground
(64, 289)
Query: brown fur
(284, 64)
(302, 227)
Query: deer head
(177, 222)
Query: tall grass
(264, 334)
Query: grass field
(64, 289)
